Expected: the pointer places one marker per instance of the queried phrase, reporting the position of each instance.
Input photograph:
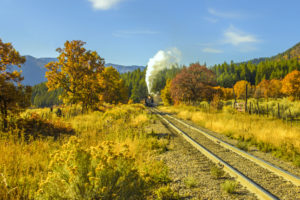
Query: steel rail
(244, 180)
(280, 172)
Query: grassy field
(267, 133)
(97, 155)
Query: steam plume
(161, 60)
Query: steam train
(149, 101)
(152, 100)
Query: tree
(76, 72)
(275, 88)
(160, 80)
(13, 96)
(240, 89)
(227, 93)
(41, 97)
(291, 84)
(112, 88)
(263, 89)
(166, 94)
(135, 81)
(193, 84)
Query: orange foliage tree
(275, 88)
(291, 84)
(263, 89)
(193, 83)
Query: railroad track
(258, 176)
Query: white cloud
(127, 33)
(223, 14)
(211, 50)
(104, 4)
(236, 37)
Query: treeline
(197, 83)
(136, 84)
(228, 74)
(159, 81)
(41, 97)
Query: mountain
(289, 54)
(123, 69)
(33, 69)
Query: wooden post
(234, 98)
(278, 111)
(246, 98)
(257, 107)
(291, 117)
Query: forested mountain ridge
(256, 70)
(291, 53)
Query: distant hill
(291, 53)
(256, 70)
(123, 69)
(34, 70)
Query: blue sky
(132, 31)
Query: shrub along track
(272, 186)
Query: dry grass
(273, 133)
(24, 164)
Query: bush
(190, 182)
(100, 172)
(216, 172)
(166, 193)
(229, 186)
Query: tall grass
(108, 145)
(268, 134)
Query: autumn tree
(166, 94)
(263, 90)
(76, 72)
(13, 96)
(227, 93)
(275, 88)
(240, 89)
(291, 84)
(193, 83)
(111, 87)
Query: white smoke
(161, 60)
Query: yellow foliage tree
(166, 94)
(112, 88)
(291, 84)
(76, 71)
(240, 89)
(227, 93)
(13, 96)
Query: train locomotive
(149, 102)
